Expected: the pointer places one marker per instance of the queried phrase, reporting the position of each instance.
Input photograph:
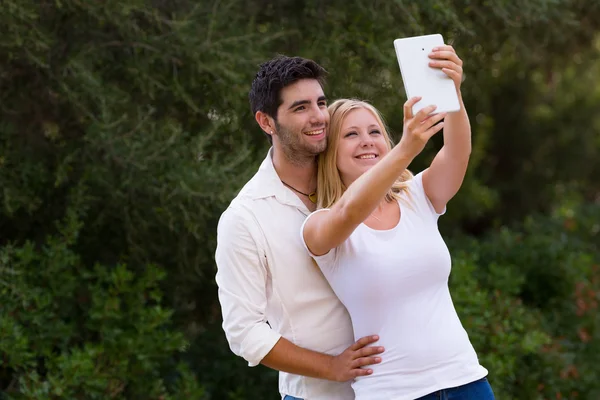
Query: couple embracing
(330, 265)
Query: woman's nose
(366, 140)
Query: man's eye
(300, 108)
(323, 103)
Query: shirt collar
(268, 184)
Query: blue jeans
(478, 390)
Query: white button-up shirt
(270, 287)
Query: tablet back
(432, 84)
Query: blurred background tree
(126, 131)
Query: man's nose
(318, 115)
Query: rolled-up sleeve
(242, 281)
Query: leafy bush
(503, 331)
(67, 331)
(549, 266)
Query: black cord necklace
(312, 196)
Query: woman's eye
(375, 132)
(350, 134)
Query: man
(278, 310)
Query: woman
(375, 238)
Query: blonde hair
(330, 187)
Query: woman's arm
(326, 230)
(442, 180)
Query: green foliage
(226, 376)
(144, 104)
(71, 332)
(503, 331)
(549, 268)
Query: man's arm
(288, 357)
(242, 279)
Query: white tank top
(394, 283)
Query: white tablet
(432, 84)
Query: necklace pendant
(313, 197)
